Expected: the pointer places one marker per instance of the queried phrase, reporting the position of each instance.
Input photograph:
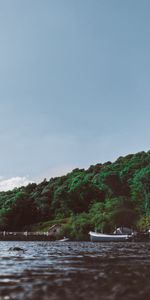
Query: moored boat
(65, 239)
(101, 237)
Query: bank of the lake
(99, 198)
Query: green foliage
(140, 189)
(101, 214)
(78, 227)
(144, 223)
(101, 197)
(98, 216)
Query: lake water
(74, 270)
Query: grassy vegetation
(45, 226)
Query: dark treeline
(101, 197)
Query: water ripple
(73, 270)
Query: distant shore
(25, 236)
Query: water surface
(74, 270)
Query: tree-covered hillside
(101, 197)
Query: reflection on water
(73, 270)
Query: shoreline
(26, 236)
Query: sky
(74, 85)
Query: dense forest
(102, 197)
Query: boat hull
(64, 240)
(100, 237)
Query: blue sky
(74, 85)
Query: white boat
(101, 237)
(64, 239)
